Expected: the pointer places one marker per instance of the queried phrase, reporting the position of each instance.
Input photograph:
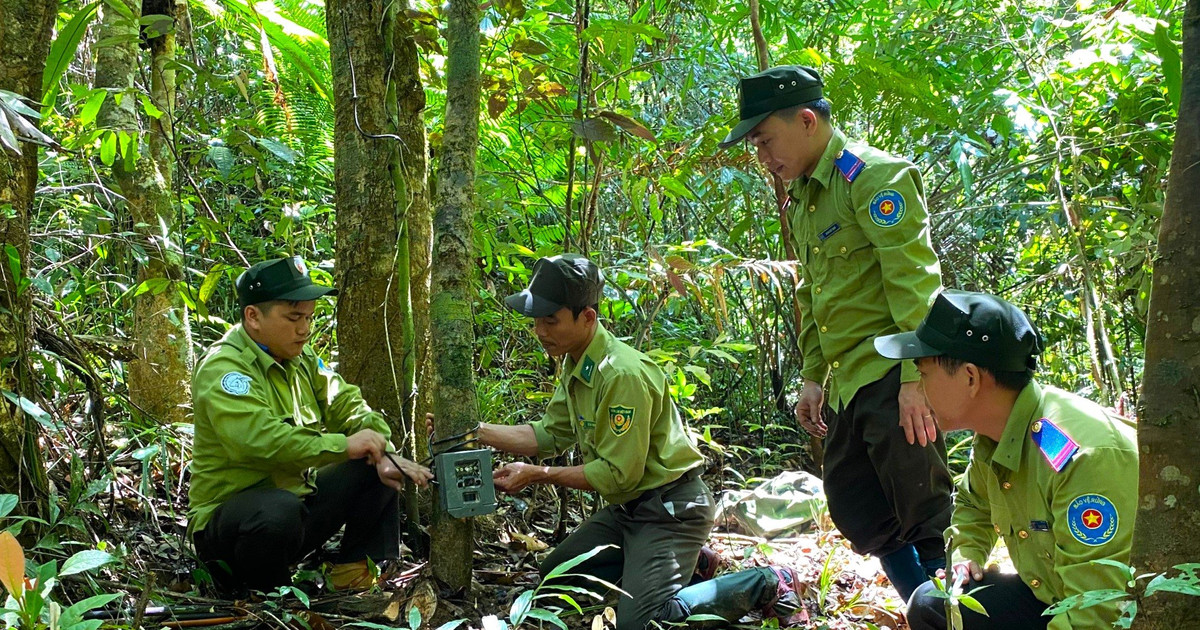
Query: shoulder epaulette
(1056, 446)
(849, 164)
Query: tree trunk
(379, 128)
(1169, 421)
(24, 44)
(451, 317)
(159, 376)
(372, 288)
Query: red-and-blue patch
(1092, 519)
(887, 207)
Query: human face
(787, 148)
(563, 333)
(283, 328)
(949, 395)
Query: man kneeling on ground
(1051, 473)
(286, 452)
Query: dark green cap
(278, 279)
(568, 280)
(973, 327)
(778, 88)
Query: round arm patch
(887, 207)
(235, 383)
(1092, 519)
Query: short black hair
(1012, 381)
(577, 310)
(822, 107)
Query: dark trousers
(256, 535)
(1009, 603)
(658, 538)
(883, 492)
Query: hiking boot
(350, 576)
(707, 565)
(786, 606)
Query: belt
(633, 503)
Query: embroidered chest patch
(235, 383)
(620, 419)
(887, 208)
(1092, 519)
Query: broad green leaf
(91, 107)
(29, 407)
(8, 140)
(72, 616)
(451, 625)
(281, 150)
(675, 187)
(108, 148)
(546, 615)
(414, 618)
(86, 561)
(1172, 64)
(222, 158)
(150, 108)
(520, 607)
(531, 47)
(62, 51)
(8, 503)
(973, 604)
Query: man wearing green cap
(285, 451)
(614, 405)
(1053, 474)
(860, 231)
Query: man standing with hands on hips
(861, 233)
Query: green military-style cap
(278, 279)
(973, 327)
(568, 280)
(778, 88)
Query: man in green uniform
(613, 403)
(861, 233)
(1053, 474)
(267, 413)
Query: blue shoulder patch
(849, 164)
(1056, 446)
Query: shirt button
(1035, 583)
(817, 290)
(816, 250)
(824, 329)
(812, 208)
(1006, 485)
(836, 365)
(997, 528)
(843, 250)
(1023, 534)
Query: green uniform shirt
(615, 404)
(262, 423)
(866, 260)
(1055, 524)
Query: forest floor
(841, 589)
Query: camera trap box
(465, 485)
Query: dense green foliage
(1043, 131)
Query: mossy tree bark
(1169, 510)
(159, 376)
(450, 307)
(24, 43)
(379, 102)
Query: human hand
(393, 477)
(967, 570)
(367, 443)
(808, 408)
(429, 424)
(916, 418)
(514, 477)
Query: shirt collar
(1016, 430)
(585, 370)
(261, 357)
(824, 169)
